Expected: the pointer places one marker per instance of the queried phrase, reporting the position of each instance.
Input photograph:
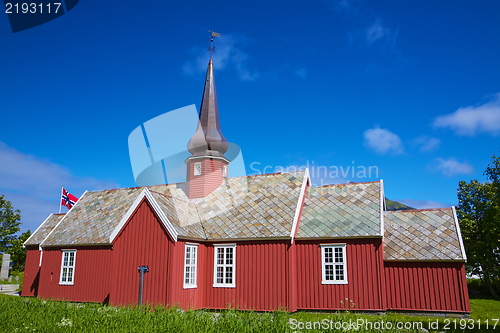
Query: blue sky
(410, 87)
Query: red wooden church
(262, 242)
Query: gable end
(145, 194)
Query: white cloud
(451, 167)
(423, 204)
(375, 34)
(382, 141)
(473, 119)
(427, 144)
(33, 185)
(228, 54)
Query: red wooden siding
(426, 286)
(364, 271)
(292, 278)
(210, 178)
(142, 241)
(191, 298)
(91, 275)
(260, 277)
(31, 272)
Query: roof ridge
(170, 184)
(169, 196)
(417, 210)
(343, 184)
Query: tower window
(197, 169)
(224, 171)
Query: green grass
(22, 314)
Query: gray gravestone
(4, 273)
(10, 279)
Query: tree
(479, 218)
(18, 252)
(10, 220)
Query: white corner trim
(462, 247)
(302, 194)
(79, 200)
(382, 207)
(149, 197)
(48, 217)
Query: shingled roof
(343, 210)
(264, 206)
(257, 206)
(425, 234)
(44, 229)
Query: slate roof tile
(341, 210)
(427, 234)
(238, 208)
(45, 228)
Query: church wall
(189, 298)
(260, 277)
(31, 272)
(364, 276)
(142, 241)
(426, 286)
(91, 274)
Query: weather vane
(212, 48)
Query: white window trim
(323, 273)
(69, 283)
(190, 285)
(194, 169)
(224, 171)
(225, 285)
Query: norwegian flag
(68, 199)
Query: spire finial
(212, 48)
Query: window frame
(323, 264)
(195, 173)
(195, 265)
(233, 265)
(73, 267)
(224, 171)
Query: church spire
(207, 167)
(208, 139)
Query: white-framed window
(197, 169)
(67, 267)
(225, 265)
(333, 264)
(190, 262)
(224, 171)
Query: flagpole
(60, 199)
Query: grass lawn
(22, 314)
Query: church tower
(207, 167)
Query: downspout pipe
(142, 270)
